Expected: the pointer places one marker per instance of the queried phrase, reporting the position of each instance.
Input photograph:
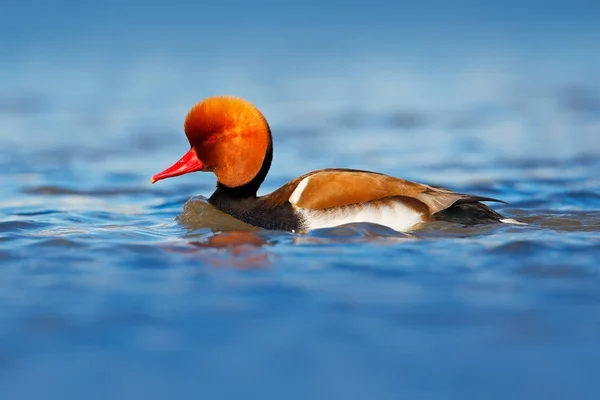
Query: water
(111, 287)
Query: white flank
(512, 221)
(297, 194)
(397, 216)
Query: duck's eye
(211, 139)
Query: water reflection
(199, 215)
(236, 249)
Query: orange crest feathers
(230, 136)
(221, 114)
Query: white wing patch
(297, 193)
(396, 216)
(512, 221)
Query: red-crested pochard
(231, 138)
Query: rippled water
(111, 287)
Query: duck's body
(231, 138)
(332, 197)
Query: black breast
(257, 212)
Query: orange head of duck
(229, 137)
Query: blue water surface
(111, 287)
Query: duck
(231, 138)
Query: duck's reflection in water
(227, 242)
(199, 214)
(237, 249)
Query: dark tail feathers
(469, 211)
